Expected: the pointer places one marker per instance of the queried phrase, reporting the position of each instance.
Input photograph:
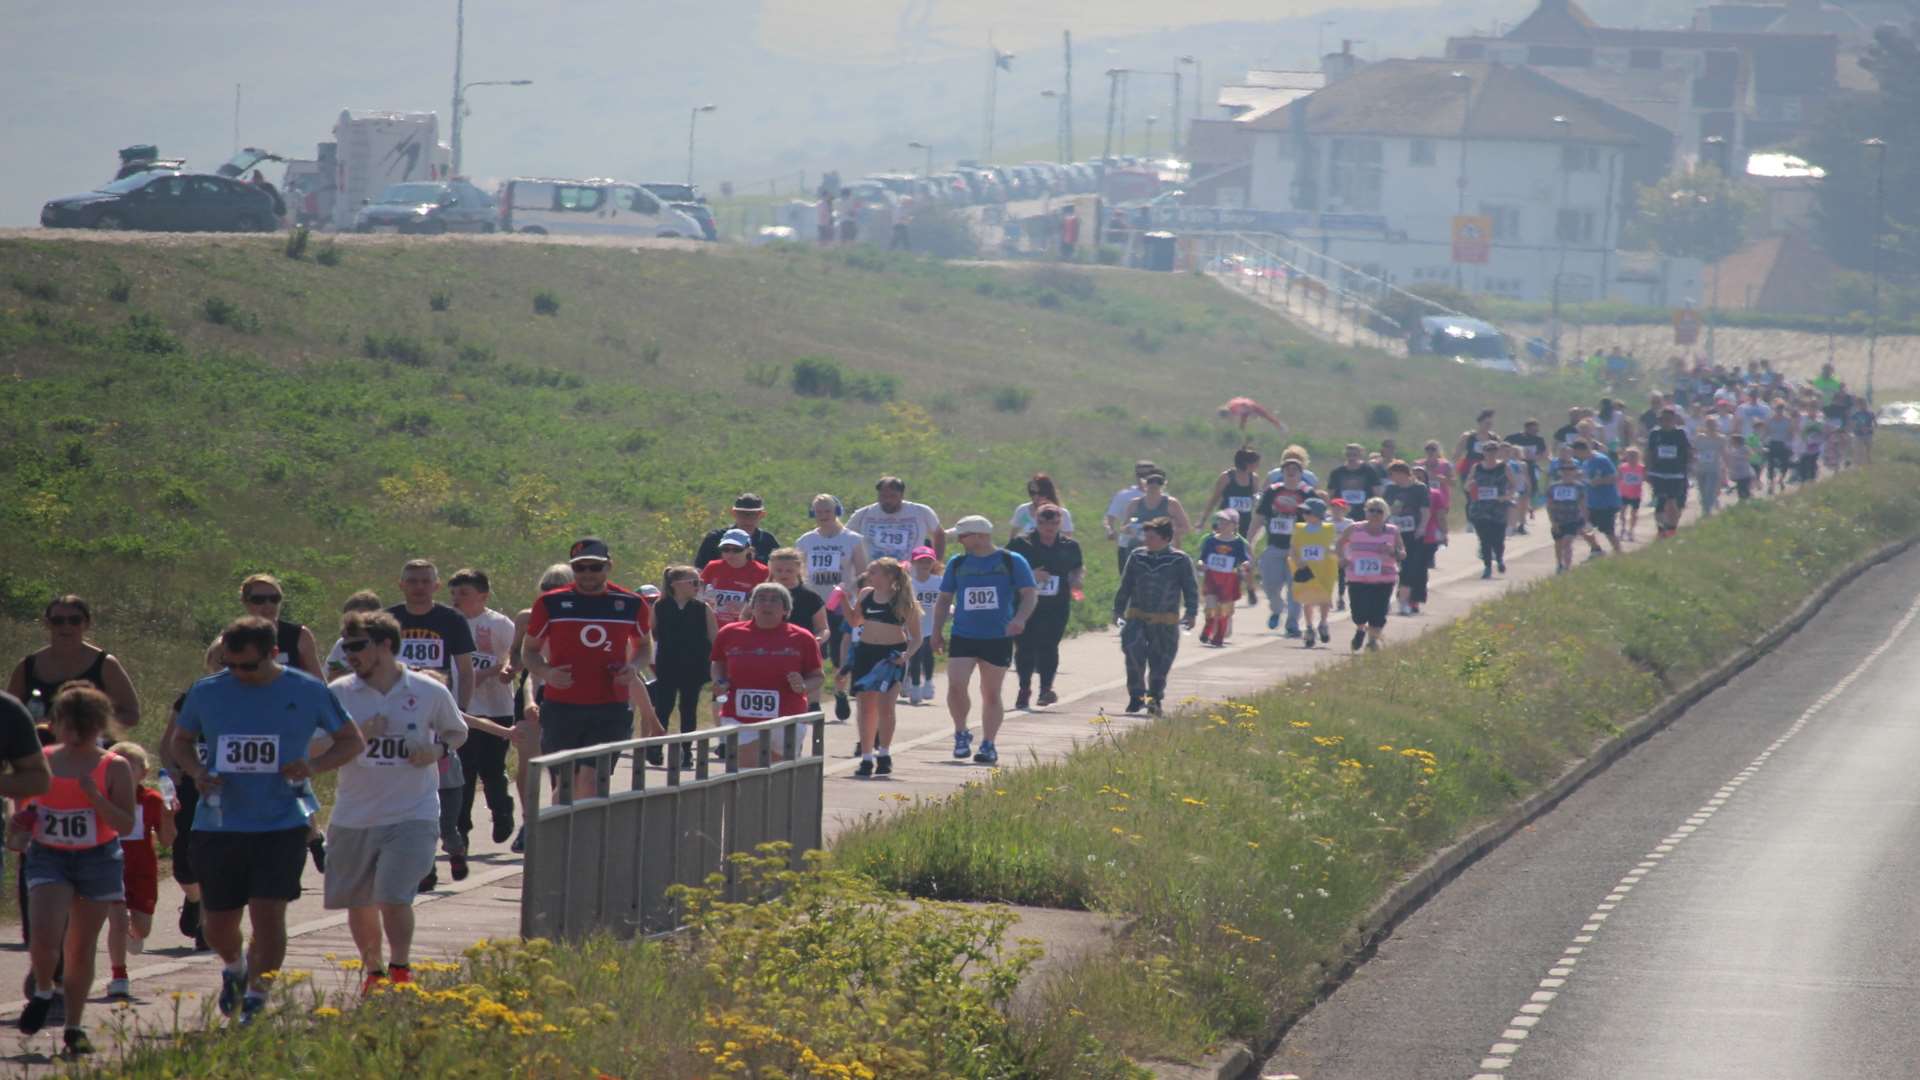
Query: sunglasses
(355, 645)
(1375, 510)
(1156, 483)
(66, 620)
(264, 598)
(250, 665)
(723, 551)
(585, 566)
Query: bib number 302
(247, 754)
(980, 598)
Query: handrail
(760, 733)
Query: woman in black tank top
(294, 645)
(70, 657)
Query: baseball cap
(922, 552)
(973, 523)
(591, 547)
(650, 592)
(1339, 504)
(1314, 506)
(749, 501)
(736, 538)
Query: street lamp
(1460, 182)
(1151, 120)
(460, 114)
(1878, 148)
(928, 147)
(1059, 124)
(1564, 127)
(1199, 84)
(693, 122)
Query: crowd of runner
(417, 704)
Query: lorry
(374, 149)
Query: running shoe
(375, 982)
(987, 755)
(34, 1016)
(77, 1043)
(656, 756)
(1487, 573)
(503, 827)
(317, 847)
(459, 865)
(519, 846)
(1022, 701)
(1273, 621)
(1135, 704)
(1359, 639)
(1325, 636)
(962, 744)
(233, 987)
(842, 708)
(120, 989)
(190, 918)
(1294, 631)
(1373, 644)
(865, 771)
(1502, 564)
(1153, 707)
(1047, 697)
(1204, 639)
(251, 1006)
(400, 974)
(883, 765)
(431, 881)
(1307, 643)
(1596, 553)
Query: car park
(687, 199)
(1464, 341)
(428, 207)
(165, 200)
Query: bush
(439, 301)
(545, 303)
(1383, 417)
(943, 233)
(297, 242)
(1294, 356)
(650, 353)
(120, 291)
(223, 312)
(1109, 255)
(1146, 342)
(1012, 398)
(328, 255)
(872, 386)
(37, 288)
(816, 376)
(145, 333)
(401, 350)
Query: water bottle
(167, 791)
(309, 802)
(209, 812)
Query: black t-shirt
(1669, 453)
(1345, 480)
(1649, 421)
(1404, 503)
(806, 602)
(1060, 559)
(1280, 509)
(18, 739)
(430, 642)
(1565, 434)
(1535, 443)
(763, 545)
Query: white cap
(973, 523)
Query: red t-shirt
(594, 635)
(728, 587)
(149, 808)
(757, 665)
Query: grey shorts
(378, 865)
(95, 873)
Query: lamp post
(1059, 124)
(1199, 85)
(928, 147)
(693, 122)
(460, 114)
(1701, 201)
(1151, 120)
(1878, 148)
(1460, 182)
(1564, 127)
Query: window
(1420, 152)
(1644, 59)
(578, 199)
(1574, 227)
(1580, 158)
(1354, 175)
(1506, 222)
(634, 199)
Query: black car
(167, 201)
(429, 207)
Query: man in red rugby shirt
(589, 643)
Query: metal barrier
(605, 862)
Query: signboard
(1472, 238)
(1686, 326)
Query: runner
(1602, 508)
(1337, 514)
(1314, 566)
(527, 697)
(1275, 515)
(1532, 448)
(434, 637)
(1119, 520)
(1410, 510)
(809, 613)
(1156, 503)
(893, 527)
(1616, 430)
(1372, 552)
(683, 631)
(588, 643)
(1057, 569)
(1522, 482)
(1155, 591)
(1633, 478)
(74, 865)
(1710, 454)
(1566, 510)
(1862, 421)
(1356, 481)
(889, 623)
(1434, 536)
(387, 808)
(995, 596)
(926, 593)
(1294, 452)
(364, 600)
(1228, 568)
(23, 764)
(764, 668)
(1740, 467)
(1782, 429)
(732, 576)
(1813, 439)
(250, 831)
(130, 922)
(1489, 492)
(836, 558)
(1669, 462)
(1244, 409)
(1236, 487)
(187, 798)
(748, 511)
(483, 757)
(262, 595)
(1041, 491)
(68, 656)
(1467, 452)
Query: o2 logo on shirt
(756, 704)
(595, 636)
(980, 598)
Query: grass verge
(1242, 842)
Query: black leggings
(682, 687)
(1037, 649)
(1415, 568)
(483, 762)
(920, 667)
(1493, 538)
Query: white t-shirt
(1024, 523)
(1117, 509)
(379, 787)
(895, 535)
(827, 561)
(492, 642)
(926, 594)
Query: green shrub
(439, 300)
(297, 242)
(120, 291)
(1383, 417)
(395, 347)
(816, 376)
(546, 303)
(1294, 356)
(37, 288)
(1011, 398)
(1145, 341)
(943, 233)
(764, 374)
(223, 312)
(145, 333)
(872, 386)
(328, 255)
(650, 353)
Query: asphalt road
(1735, 899)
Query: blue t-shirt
(248, 733)
(985, 595)
(1223, 556)
(1601, 496)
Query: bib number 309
(247, 754)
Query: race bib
(387, 750)
(889, 538)
(1403, 521)
(1565, 493)
(247, 754)
(756, 704)
(1282, 526)
(65, 828)
(1049, 587)
(1220, 564)
(484, 662)
(1491, 495)
(1312, 553)
(1242, 503)
(1367, 566)
(927, 599)
(729, 599)
(1667, 452)
(980, 598)
(1354, 497)
(423, 652)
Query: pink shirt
(1632, 480)
(1370, 555)
(1439, 501)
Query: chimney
(1337, 66)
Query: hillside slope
(182, 413)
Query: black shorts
(1602, 520)
(565, 726)
(1779, 457)
(189, 800)
(235, 867)
(867, 657)
(1561, 531)
(996, 651)
(1369, 601)
(1669, 491)
(1630, 500)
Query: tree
(1698, 215)
(1847, 210)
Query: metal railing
(605, 862)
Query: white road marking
(1502, 1053)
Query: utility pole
(693, 121)
(236, 118)
(1563, 126)
(1106, 161)
(1460, 182)
(999, 62)
(1066, 100)
(459, 74)
(1877, 147)
(1173, 116)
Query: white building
(1374, 169)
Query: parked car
(424, 206)
(687, 199)
(540, 207)
(1899, 414)
(168, 201)
(1464, 341)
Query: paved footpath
(487, 904)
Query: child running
(130, 922)
(1566, 511)
(1633, 482)
(1229, 573)
(1315, 568)
(926, 591)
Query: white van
(589, 208)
